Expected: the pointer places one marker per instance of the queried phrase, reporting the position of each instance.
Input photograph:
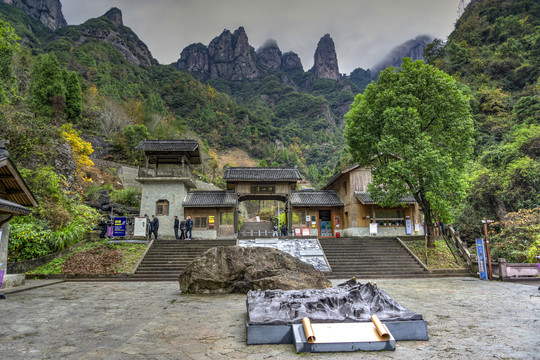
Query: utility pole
(488, 255)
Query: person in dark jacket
(155, 226)
(189, 227)
(103, 228)
(176, 226)
(182, 229)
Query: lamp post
(488, 255)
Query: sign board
(308, 218)
(336, 221)
(1, 276)
(297, 232)
(373, 229)
(487, 221)
(408, 227)
(416, 227)
(263, 189)
(481, 257)
(139, 228)
(305, 232)
(119, 227)
(211, 219)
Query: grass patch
(130, 255)
(438, 258)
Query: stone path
(467, 319)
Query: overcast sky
(364, 31)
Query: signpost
(488, 255)
(119, 227)
(480, 255)
(139, 228)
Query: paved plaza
(467, 319)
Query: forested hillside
(494, 52)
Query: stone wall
(4, 242)
(174, 191)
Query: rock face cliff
(110, 29)
(412, 48)
(325, 65)
(230, 56)
(48, 12)
(269, 55)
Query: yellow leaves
(81, 149)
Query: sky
(364, 31)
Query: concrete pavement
(467, 319)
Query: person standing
(182, 229)
(189, 227)
(155, 226)
(176, 226)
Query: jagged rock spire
(326, 65)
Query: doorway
(325, 223)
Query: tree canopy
(413, 129)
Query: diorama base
(407, 330)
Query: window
(200, 222)
(389, 217)
(162, 208)
(226, 218)
(345, 188)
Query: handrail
(464, 252)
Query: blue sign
(481, 256)
(119, 226)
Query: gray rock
(64, 161)
(115, 15)
(269, 55)
(48, 12)
(236, 269)
(325, 65)
(413, 48)
(290, 61)
(194, 58)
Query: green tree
(414, 130)
(9, 44)
(48, 90)
(73, 96)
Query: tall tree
(9, 44)
(73, 95)
(48, 90)
(414, 130)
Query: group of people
(185, 226)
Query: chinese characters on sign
(119, 228)
(481, 259)
(267, 189)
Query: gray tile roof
(168, 145)
(13, 208)
(366, 199)
(209, 199)
(309, 198)
(262, 174)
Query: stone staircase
(256, 229)
(370, 258)
(167, 258)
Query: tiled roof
(13, 208)
(365, 199)
(168, 145)
(315, 198)
(209, 199)
(262, 174)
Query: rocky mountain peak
(228, 56)
(412, 48)
(290, 61)
(115, 15)
(48, 12)
(269, 55)
(326, 65)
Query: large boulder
(236, 269)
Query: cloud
(364, 31)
